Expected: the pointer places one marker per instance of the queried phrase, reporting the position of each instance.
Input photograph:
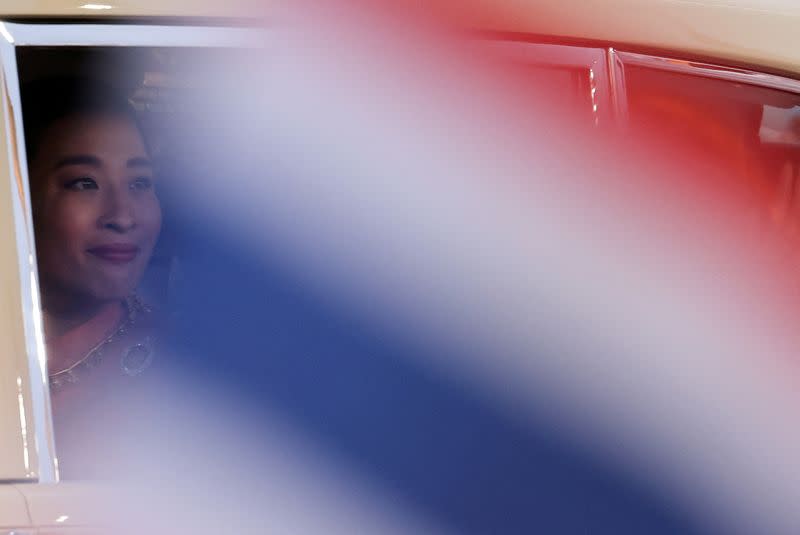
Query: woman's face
(96, 213)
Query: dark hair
(48, 100)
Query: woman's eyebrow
(79, 159)
(140, 161)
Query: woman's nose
(118, 214)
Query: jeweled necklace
(133, 362)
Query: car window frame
(33, 458)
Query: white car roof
(762, 33)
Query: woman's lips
(115, 253)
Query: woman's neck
(72, 332)
(62, 313)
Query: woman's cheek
(152, 218)
(73, 220)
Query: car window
(574, 79)
(103, 128)
(751, 133)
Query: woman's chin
(114, 284)
(112, 291)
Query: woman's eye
(81, 184)
(142, 184)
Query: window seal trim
(129, 35)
